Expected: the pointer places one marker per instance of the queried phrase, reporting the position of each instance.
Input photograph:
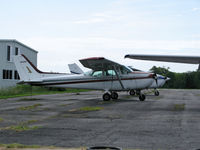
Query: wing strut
(118, 77)
(199, 68)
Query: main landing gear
(107, 96)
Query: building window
(16, 50)
(8, 53)
(17, 75)
(10, 74)
(4, 74)
(7, 74)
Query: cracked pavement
(170, 121)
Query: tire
(156, 93)
(142, 97)
(132, 92)
(106, 97)
(114, 95)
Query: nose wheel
(156, 93)
(142, 97)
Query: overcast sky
(64, 31)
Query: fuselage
(133, 80)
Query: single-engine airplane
(158, 82)
(105, 75)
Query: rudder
(26, 70)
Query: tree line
(187, 80)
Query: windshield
(125, 70)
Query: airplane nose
(167, 79)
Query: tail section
(27, 71)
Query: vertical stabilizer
(27, 71)
(75, 69)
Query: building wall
(9, 65)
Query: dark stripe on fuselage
(90, 81)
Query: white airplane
(167, 58)
(158, 82)
(105, 75)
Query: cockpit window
(97, 74)
(110, 73)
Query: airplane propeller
(156, 78)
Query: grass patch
(179, 107)
(24, 126)
(88, 108)
(29, 107)
(64, 105)
(27, 90)
(17, 145)
(1, 119)
(22, 146)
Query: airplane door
(110, 80)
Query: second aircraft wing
(166, 58)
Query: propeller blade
(156, 78)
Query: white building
(8, 48)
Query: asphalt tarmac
(169, 121)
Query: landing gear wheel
(106, 97)
(114, 95)
(132, 92)
(142, 97)
(156, 93)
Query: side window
(97, 74)
(110, 73)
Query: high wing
(167, 58)
(99, 63)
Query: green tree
(188, 80)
